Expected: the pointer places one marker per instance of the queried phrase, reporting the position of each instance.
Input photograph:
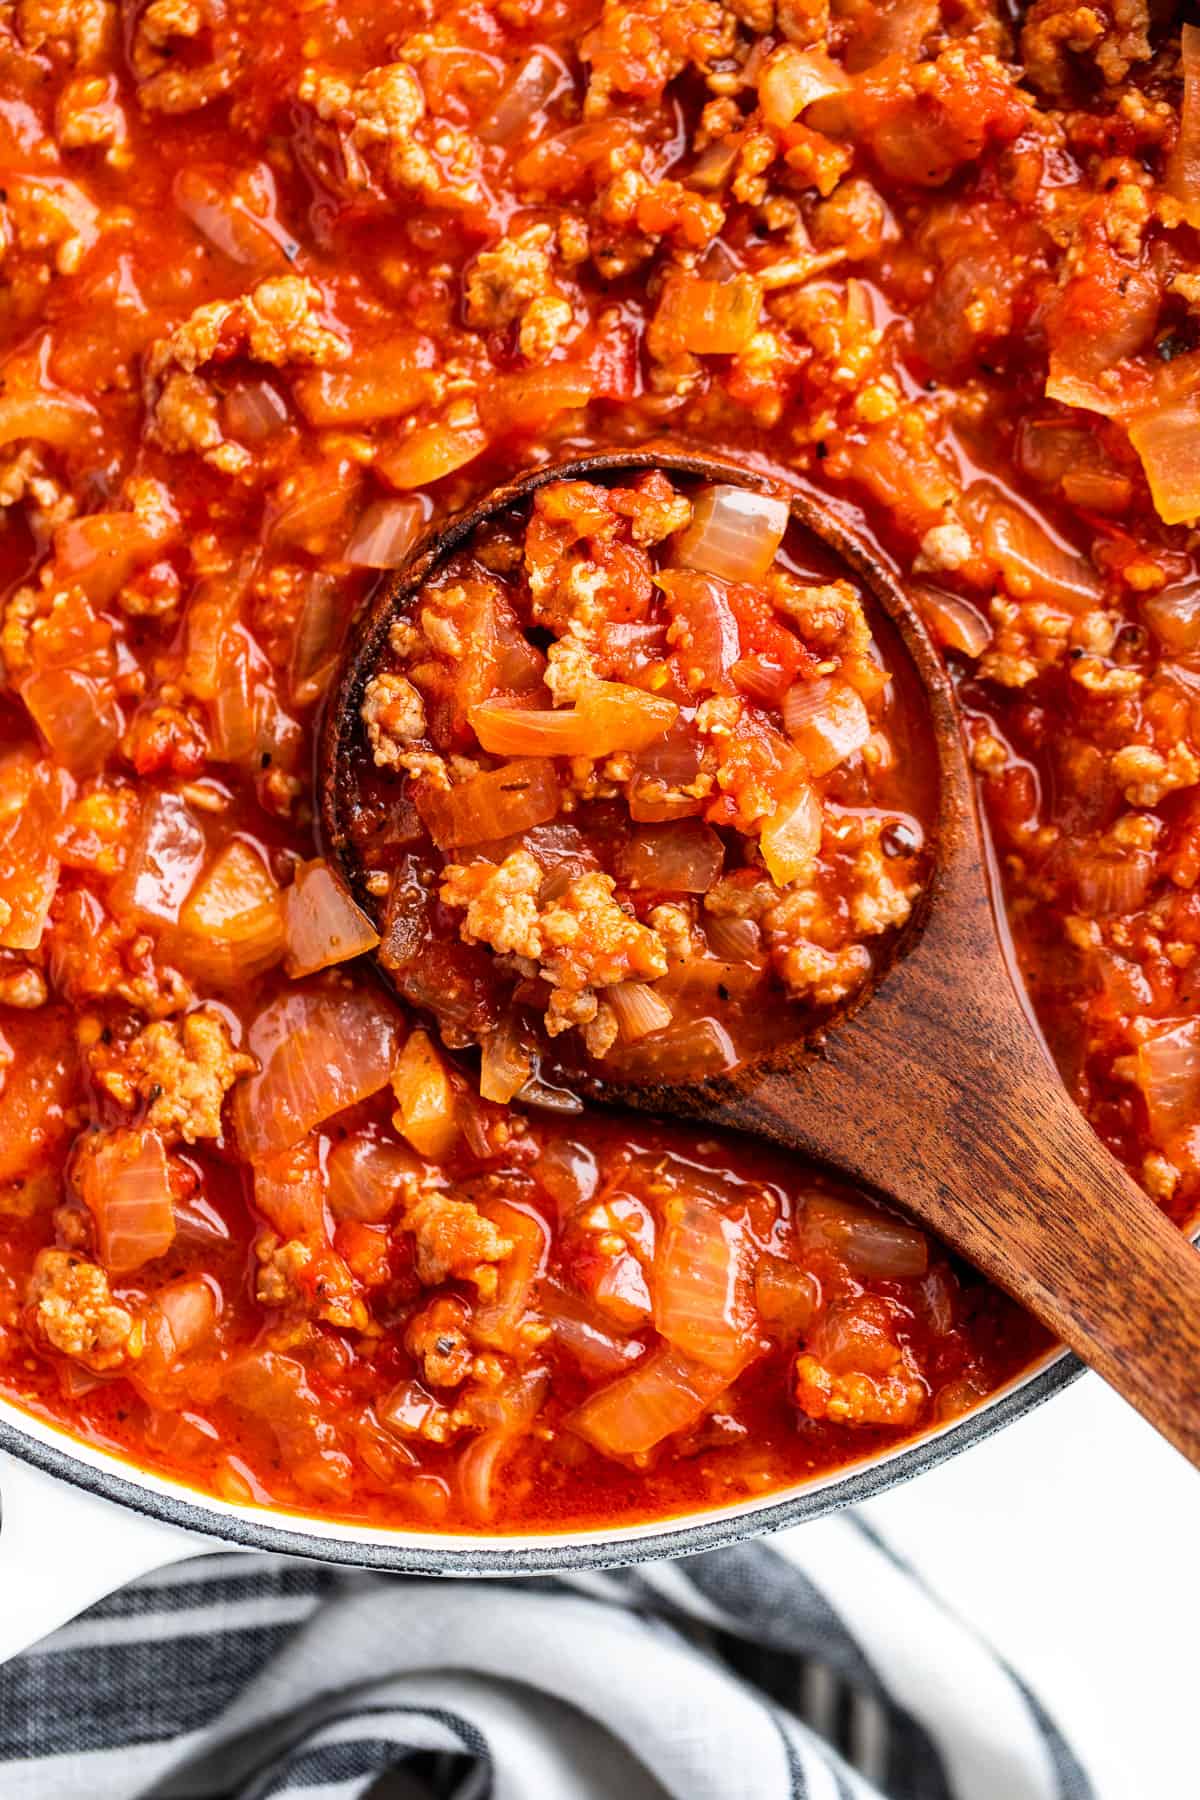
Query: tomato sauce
(710, 841)
(284, 287)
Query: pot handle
(61, 1549)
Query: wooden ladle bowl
(934, 1088)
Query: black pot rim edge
(558, 1553)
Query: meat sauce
(283, 287)
(724, 808)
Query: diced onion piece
(407, 1409)
(610, 717)
(685, 858)
(792, 79)
(639, 1010)
(1165, 437)
(478, 1473)
(512, 1407)
(1095, 490)
(234, 710)
(126, 1187)
(368, 1177)
(1047, 448)
(708, 318)
(164, 861)
(212, 613)
(523, 96)
(687, 1052)
(1112, 884)
(1167, 1069)
(827, 722)
(222, 217)
(1096, 324)
(673, 758)
(312, 508)
(871, 1244)
(1183, 165)
(651, 803)
(378, 383)
(60, 420)
(701, 1300)
(1124, 983)
(705, 984)
(189, 1309)
(857, 1336)
(734, 533)
(664, 1394)
(322, 924)
(954, 623)
(791, 840)
(425, 1108)
(319, 1051)
(316, 637)
(31, 805)
(505, 1062)
(1173, 615)
(1071, 388)
(1033, 564)
(503, 802)
(77, 714)
(715, 164)
(498, 1323)
(520, 665)
(385, 534)
(786, 1295)
(621, 1291)
(529, 399)
(898, 30)
(733, 939)
(289, 1191)
(430, 453)
(231, 925)
(708, 644)
(544, 1094)
(101, 551)
(274, 1389)
(569, 1173)
(759, 679)
(254, 412)
(584, 1335)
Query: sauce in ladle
(640, 777)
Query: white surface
(60, 1551)
(1066, 1540)
(1069, 1541)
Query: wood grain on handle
(939, 1095)
(1042, 1209)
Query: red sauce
(283, 287)
(658, 798)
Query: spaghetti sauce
(284, 286)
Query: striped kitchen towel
(816, 1667)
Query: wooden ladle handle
(939, 1094)
(1003, 1167)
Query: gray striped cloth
(815, 1667)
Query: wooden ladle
(935, 1089)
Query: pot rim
(102, 1475)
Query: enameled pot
(76, 1523)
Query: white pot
(77, 1523)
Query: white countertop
(1067, 1540)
